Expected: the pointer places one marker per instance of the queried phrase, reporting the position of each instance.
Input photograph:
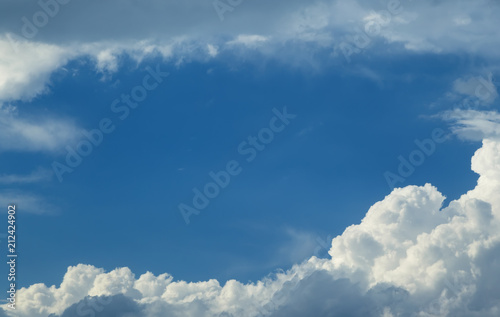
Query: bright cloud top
(409, 256)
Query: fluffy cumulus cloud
(409, 256)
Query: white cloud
(36, 176)
(212, 50)
(400, 260)
(192, 30)
(46, 134)
(25, 67)
(471, 92)
(472, 124)
(409, 256)
(27, 202)
(432, 26)
(251, 41)
(478, 87)
(107, 61)
(40, 300)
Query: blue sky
(320, 174)
(354, 117)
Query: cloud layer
(36, 40)
(409, 256)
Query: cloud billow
(409, 256)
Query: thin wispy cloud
(473, 124)
(36, 176)
(45, 135)
(29, 202)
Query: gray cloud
(111, 306)
(290, 31)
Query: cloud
(478, 87)
(424, 27)
(472, 124)
(105, 306)
(36, 176)
(212, 50)
(251, 41)
(300, 245)
(42, 134)
(471, 92)
(27, 202)
(192, 30)
(25, 67)
(417, 25)
(409, 256)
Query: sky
(251, 158)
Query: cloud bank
(37, 38)
(409, 256)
